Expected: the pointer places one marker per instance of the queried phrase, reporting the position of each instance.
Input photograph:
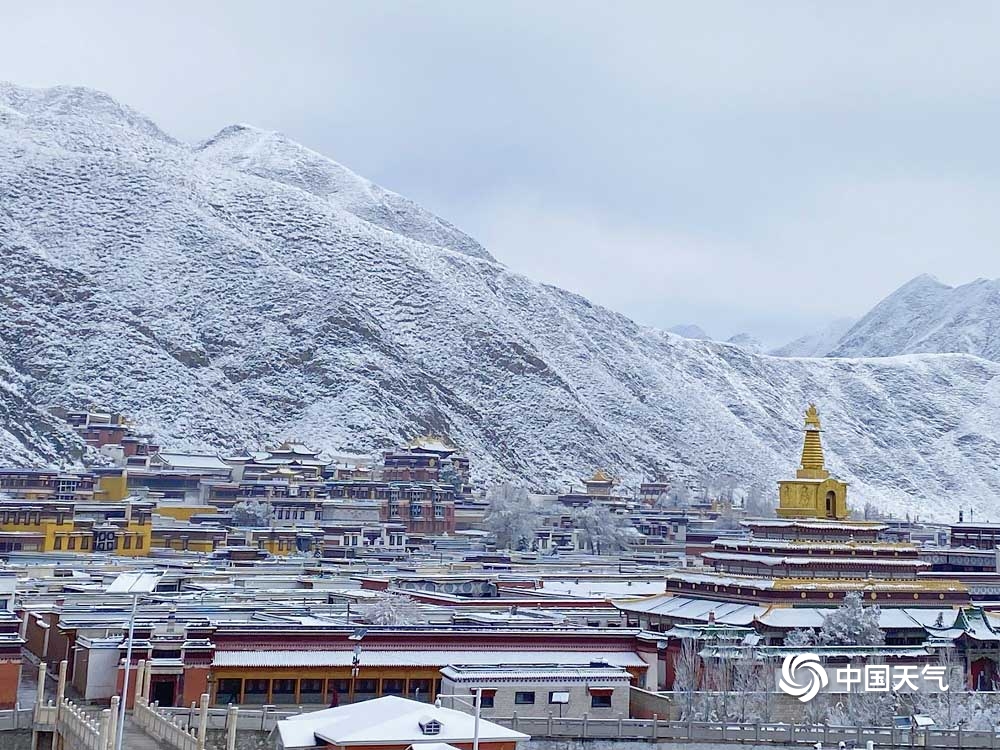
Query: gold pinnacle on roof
(813, 465)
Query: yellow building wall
(194, 545)
(184, 512)
(112, 488)
(141, 540)
(48, 529)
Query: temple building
(813, 493)
(788, 572)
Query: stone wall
(246, 739)
(15, 740)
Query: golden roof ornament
(812, 416)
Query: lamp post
(476, 704)
(135, 584)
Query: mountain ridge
(230, 296)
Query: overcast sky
(750, 166)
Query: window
(127, 541)
(439, 511)
(283, 691)
(310, 691)
(488, 696)
(337, 692)
(524, 698)
(138, 542)
(228, 690)
(255, 691)
(416, 511)
(430, 726)
(600, 697)
(72, 543)
(393, 686)
(58, 543)
(420, 690)
(365, 689)
(85, 543)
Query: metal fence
(652, 730)
(265, 718)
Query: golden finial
(812, 416)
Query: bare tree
(687, 676)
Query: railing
(81, 731)
(262, 719)
(164, 727)
(653, 730)
(186, 728)
(265, 718)
(13, 719)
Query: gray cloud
(760, 166)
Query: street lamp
(476, 704)
(136, 584)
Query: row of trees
(512, 518)
(738, 685)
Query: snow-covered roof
(389, 720)
(889, 618)
(682, 607)
(774, 560)
(422, 658)
(802, 544)
(193, 461)
(575, 672)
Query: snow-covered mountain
(925, 315)
(690, 331)
(817, 344)
(248, 289)
(746, 341)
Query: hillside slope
(248, 289)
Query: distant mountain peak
(746, 341)
(690, 331)
(927, 316)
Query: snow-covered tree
(953, 707)
(602, 531)
(851, 624)
(677, 498)
(390, 609)
(800, 638)
(758, 503)
(865, 708)
(448, 475)
(750, 685)
(251, 513)
(687, 676)
(511, 517)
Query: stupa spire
(813, 493)
(812, 446)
